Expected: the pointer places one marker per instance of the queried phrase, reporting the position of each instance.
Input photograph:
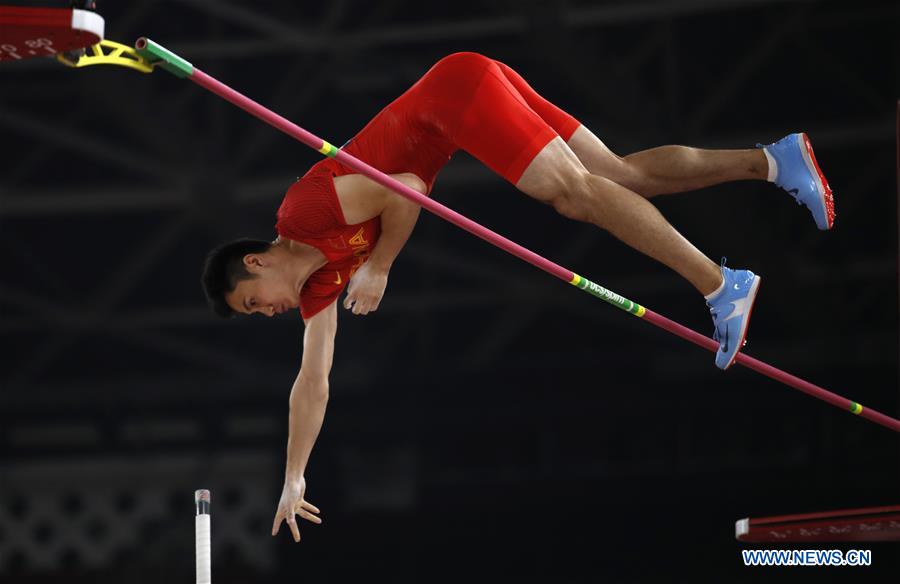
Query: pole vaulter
(147, 55)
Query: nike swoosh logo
(338, 281)
(795, 192)
(740, 307)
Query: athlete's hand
(366, 289)
(292, 504)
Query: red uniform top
(465, 101)
(311, 214)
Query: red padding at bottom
(869, 524)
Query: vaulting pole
(158, 55)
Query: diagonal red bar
(517, 250)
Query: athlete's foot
(730, 307)
(798, 173)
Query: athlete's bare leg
(557, 177)
(667, 169)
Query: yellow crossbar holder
(109, 53)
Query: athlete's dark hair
(224, 268)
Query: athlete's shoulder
(310, 207)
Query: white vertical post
(202, 534)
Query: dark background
(488, 423)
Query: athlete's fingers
(309, 516)
(292, 523)
(276, 525)
(310, 506)
(348, 301)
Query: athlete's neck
(301, 259)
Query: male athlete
(339, 229)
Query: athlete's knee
(575, 200)
(637, 177)
(569, 207)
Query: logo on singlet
(360, 246)
(338, 281)
(359, 238)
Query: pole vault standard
(158, 55)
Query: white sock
(773, 166)
(715, 292)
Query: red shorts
(465, 101)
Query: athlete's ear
(253, 262)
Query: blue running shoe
(730, 309)
(799, 174)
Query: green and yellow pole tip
(855, 408)
(159, 55)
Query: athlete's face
(271, 292)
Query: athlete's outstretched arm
(309, 397)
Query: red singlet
(466, 101)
